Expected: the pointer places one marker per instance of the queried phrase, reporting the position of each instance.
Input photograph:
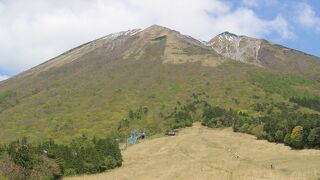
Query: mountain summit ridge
(258, 52)
(237, 47)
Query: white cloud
(280, 25)
(307, 17)
(36, 30)
(3, 77)
(244, 21)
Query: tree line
(276, 122)
(296, 129)
(49, 160)
(312, 103)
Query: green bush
(69, 172)
(314, 137)
(110, 162)
(24, 157)
(16, 166)
(258, 131)
(296, 137)
(279, 136)
(287, 139)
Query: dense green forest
(294, 128)
(48, 160)
(312, 103)
(276, 122)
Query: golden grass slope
(202, 153)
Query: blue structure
(132, 139)
(134, 136)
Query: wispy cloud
(245, 21)
(307, 17)
(35, 30)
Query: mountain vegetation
(312, 103)
(90, 89)
(281, 123)
(48, 160)
(142, 79)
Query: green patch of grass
(5, 95)
(283, 84)
(176, 89)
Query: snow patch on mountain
(121, 34)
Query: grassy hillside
(100, 99)
(93, 102)
(90, 89)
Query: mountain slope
(89, 89)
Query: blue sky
(34, 31)
(305, 38)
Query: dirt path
(201, 153)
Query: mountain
(91, 88)
(262, 53)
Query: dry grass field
(202, 153)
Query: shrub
(244, 128)
(46, 168)
(24, 157)
(258, 131)
(287, 139)
(296, 137)
(69, 172)
(314, 137)
(279, 136)
(110, 162)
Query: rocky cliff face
(261, 53)
(240, 48)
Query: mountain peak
(226, 36)
(240, 48)
(226, 33)
(156, 27)
(156, 31)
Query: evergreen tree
(314, 137)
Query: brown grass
(201, 153)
